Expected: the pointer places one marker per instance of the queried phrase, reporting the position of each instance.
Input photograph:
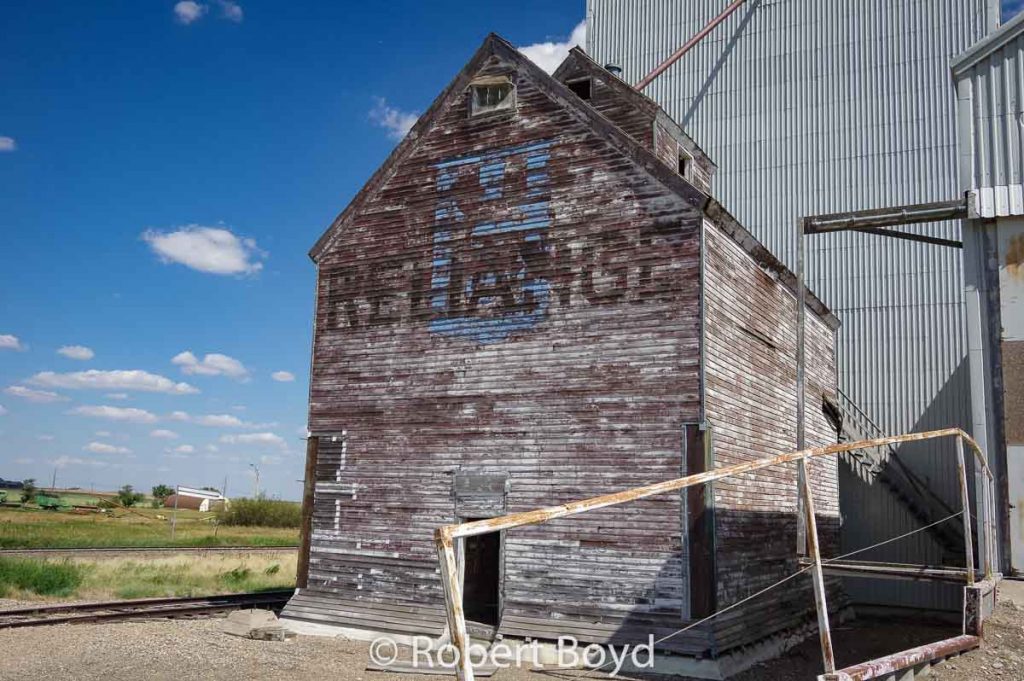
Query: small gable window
(685, 164)
(492, 94)
(582, 88)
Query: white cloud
(3, 410)
(9, 342)
(216, 420)
(396, 122)
(182, 449)
(214, 250)
(164, 434)
(212, 448)
(188, 11)
(213, 364)
(269, 460)
(283, 376)
(134, 379)
(7, 144)
(103, 433)
(115, 413)
(76, 352)
(255, 439)
(548, 55)
(24, 461)
(116, 396)
(220, 421)
(104, 448)
(231, 11)
(45, 438)
(75, 461)
(38, 396)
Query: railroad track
(111, 550)
(145, 608)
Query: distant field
(29, 528)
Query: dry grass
(31, 528)
(117, 577)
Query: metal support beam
(887, 217)
(801, 387)
(821, 605)
(688, 45)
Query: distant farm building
(196, 500)
(535, 300)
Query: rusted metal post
(688, 45)
(825, 634)
(966, 505)
(801, 394)
(453, 601)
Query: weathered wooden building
(535, 300)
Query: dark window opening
(684, 165)
(582, 88)
(482, 576)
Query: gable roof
(581, 61)
(625, 143)
(494, 45)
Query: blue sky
(164, 169)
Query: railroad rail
(101, 550)
(144, 608)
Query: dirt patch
(197, 649)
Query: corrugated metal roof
(821, 106)
(990, 82)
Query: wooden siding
(520, 298)
(508, 317)
(750, 322)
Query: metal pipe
(966, 503)
(688, 45)
(541, 515)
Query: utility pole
(224, 489)
(256, 486)
(53, 481)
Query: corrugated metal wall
(815, 106)
(991, 87)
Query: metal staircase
(883, 465)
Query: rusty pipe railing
(688, 45)
(445, 536)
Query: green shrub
(46, 578)
(262, 513)
(237, 577)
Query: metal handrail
(445, 536)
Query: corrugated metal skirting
(817, 106)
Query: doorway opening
(482, 577)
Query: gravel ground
(197, 649)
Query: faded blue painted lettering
(482, 305)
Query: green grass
(262, 513)
(31, 528)
(42, 578)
